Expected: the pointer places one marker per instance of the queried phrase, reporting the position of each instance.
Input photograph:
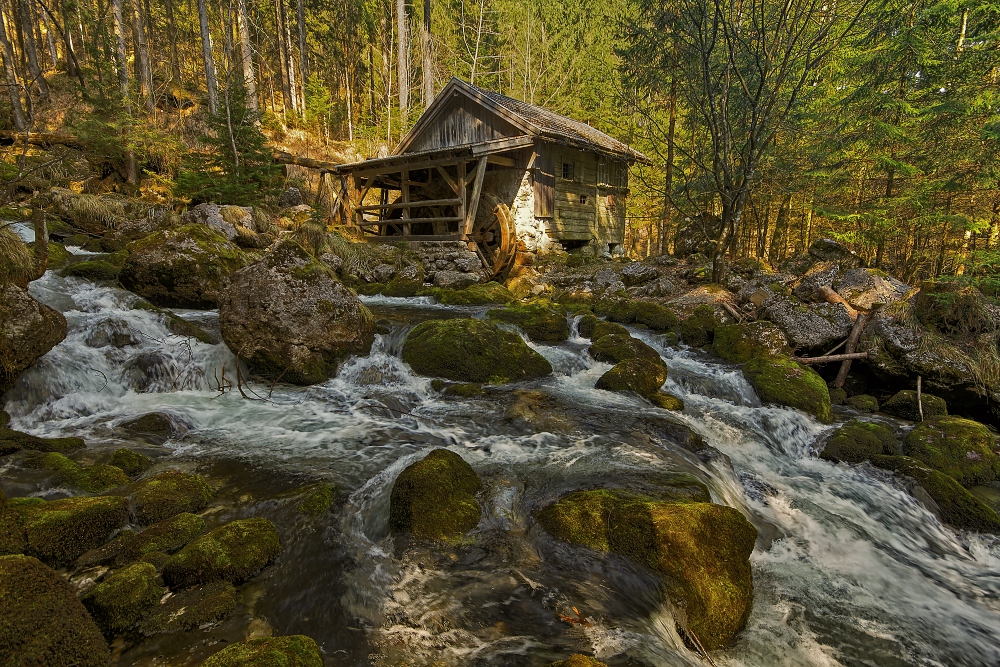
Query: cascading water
(848, 570)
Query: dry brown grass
(17, 264)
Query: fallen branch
(830, 358)
(283, 157)
(852, 343)
(920, 403)
(830, 296)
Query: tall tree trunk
(668, 176)
(293, 97)
(303, 55)
(402, 61)
(10, 72)
(175, 61)
(31, 50)
(121, 60)
(249, 78)
(279, 22)
(53, 52)
(427, 70)
(211, 82)
(141, 55)
(780, 240)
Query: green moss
(317, 499)
(14, 441)
(858, 441)
(636, 375)
(614, 348)
(464, 390)
(667, 401)
(58, 255)
(168, 535)
(132, 463)
(861, 402)
(167, 494)
(739, 343)
(904, 405)
(403, 286)
(959, 508)
(4, 419)
(60, 531)
(12, 537)
(586, 325)
(293, 651)
(785, 382)
(70, 474)
(602, 329)
(42, 622)
(698, 329)
(483, 294)
(235, 552)
(960, 448)
(837, 396)
(435, 498)
(370, 289)
(542, 321)
(468, 350)
(578, 660)
(657, 317)
(191, 609)
(701, 549)
(617, 309)
(118, 602)
(94, 269)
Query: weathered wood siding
(462, 121)
(576, 205)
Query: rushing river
(848, 569)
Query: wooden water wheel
(495, 235)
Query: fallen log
(43, 139)
(830, 296)
(826, 359)
(282, 157)
(852, 343)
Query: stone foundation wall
(448, 257)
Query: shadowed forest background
(769, 125)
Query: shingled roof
(544, 123)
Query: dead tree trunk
(211, 82)
(852, 343)
(249, 78)
(10, 72)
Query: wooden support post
(463, 195)
(477, 190)
(852, 343)
(447, 179)
(404, 188)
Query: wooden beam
(411, 164)
(501, 161)
(477, 190)
(405, 182)
(397, 221)
(447, 179)
(412, 204)
(463, 193)
(414, 237)
(42, 138)
(502, 145)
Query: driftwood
(831, 358)
(852, 343)
(42, 138)
(920, 403)
(830, 296)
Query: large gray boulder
(864, 288)
(289, 317)
(809, 327)
(28, 329)
(223, 219)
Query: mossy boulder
(640, 376)
(602, 329)
(59, 531)
(407, 282)
(615, 348)
(701, 549)
(617, 309)
(698, 329)
(183, 267)
(176, 324)
(739, 343)
(42, 623)
(292, 651)
(657, 317)
(958, 506)
(837, 396)
(69, 474)
(861, 402)
(14, 441)
(469, 350)
(435, 498)
(190, 609)
(234, 552)
(317, 499)
(94, 269)
(960, 448)
(543, 321)
(904, 405)
(131, 463)
(169, 535)
(667, 401)
(587, 323)
(28, 330)
(167, 494)
(858, 441)
(12, 537)
(120, 600)
(464, 390)
(483, 294)
(578, 660)
(786, 382)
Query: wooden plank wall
(462, 121)
(575, 220)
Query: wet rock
(293, 651)
(667, 401)
(956, 505)
(112, 332)
(904, 405)
(120, 600)
(234, 552)
(13, 441)
(407, 282)
(455, 279)
(858, 441)
(435, 498)
(469, 350)
(290, 197)
(815, 326)
(177, 324)
(786, 382)
(149, 371)
(317, 499)
(578, 660)
(167, 494)
(60, 531)
(828, 250)
(157, 427)
(636, 375)
(864, 288)
(131, 463)
(43, 621)
(289, 317)
(164, 537)
(191, 609)
(587, 324)
(615, 348)
(861, 402)
(738, 343)
(657, 317)
(69, 474)
(186, 267)
(960, 448)
(837, 396)
(539, 411)
(28, 329)
(701, 549)
(698, 329)
(543, 321)
(464, 390)
(95, 270)
(223, 219)
(638, 273)
(602, 329)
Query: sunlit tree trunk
(249, 78)
(10, 72)
(402, 69)
(211, 82)
(303, 57)
(175, 61)
(121, 62)
(142, 72)
(279, 22)
(428, 67)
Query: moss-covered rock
(94, 269)
(602, 329)
(12, 537)
(640, 376)
(861, 402)
(615, 348)
(786, 382)
(317, 499)
(617, 309)
(191, 609)
(131, 463)
(667, 401)
(464, 390)
(483, 294)
(837, 396)
(42, 623)
(407, 282)
(698, 329)
(167, 494)
(587, 323)
(177, 324)
(13, 441)
(958, 507)
(28, 330)
(234, 552)
(58, 532)
(59, 257)
(858, 441)
(657, 317)
(118, 602)
(542, 321)
(960, 448)
(293, 651)
(739, 343)
(435, 498)
(701, 549)
(169, 535)
(904, 405)
(69, 474)
(578, 660)
(468, 350)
